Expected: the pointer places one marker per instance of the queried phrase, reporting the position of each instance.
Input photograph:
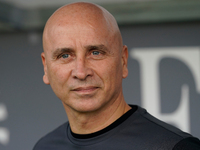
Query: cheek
(110, 72)
(58, 81)
(58, 75)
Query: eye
(65, 55)
(95, 53)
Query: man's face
(84, 66)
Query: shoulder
(159, 127)
(190, 143)
(159, 133)
(55, 136)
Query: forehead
(65, 34)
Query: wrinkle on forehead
(82, 13)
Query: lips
(85, 89)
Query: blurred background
(163, 37)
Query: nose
(81, 70)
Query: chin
(86, 106)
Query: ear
(125, 61)
(45, 77)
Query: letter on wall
(149, 59)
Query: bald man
(84, 62)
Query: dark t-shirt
(136, 129)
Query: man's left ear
(125, 61)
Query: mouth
(85, 90)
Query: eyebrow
(97, 47)
(59, 51)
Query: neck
(86, 123)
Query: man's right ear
(45, 76)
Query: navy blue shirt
(136, 129)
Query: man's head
(84, 58)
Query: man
(84, 62)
